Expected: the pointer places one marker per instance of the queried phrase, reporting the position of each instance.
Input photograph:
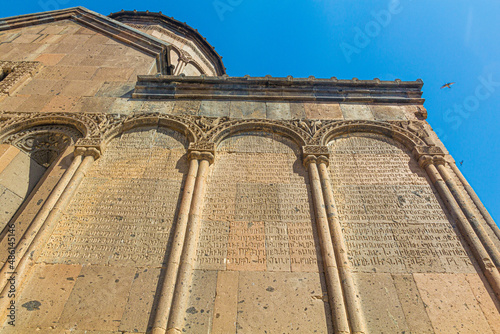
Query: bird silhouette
(461, 163)
(447, 85)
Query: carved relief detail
(44, 143)
(14, 73)
(99, 128)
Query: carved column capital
(308, 159)
(420, 151)
(87, 150)
(425, 160)
(316, 150)
(202, 151)
(197, 155)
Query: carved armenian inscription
(257, 214)
(125, 207)
(391, 217)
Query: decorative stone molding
(316, 150)
(97, 129)
(44, 143)
(14, 73)
(168, 87)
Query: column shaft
(466, 209)
(168, 284)
(353, 304)
(39, 219)
(36, 246)
(184, 278)
(336, 296)
(476, 200)
(481, 255)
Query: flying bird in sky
(447, 85)
(461, 163)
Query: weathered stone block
(356, 111)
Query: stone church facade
(143, 190)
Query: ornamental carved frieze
(99, 128)
(14, 73)
(44, 143)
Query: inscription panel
(257, 213)
(392, 218)
(125, 207)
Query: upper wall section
(190, 53)
(132, 38)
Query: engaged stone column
(89, 154)
(24, 242)
(466, 209)
(185, 272)
(353, 304)
(486, 215)
(170, 278)
(336, 296)
(427, 162)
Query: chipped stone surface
(451, 304)
(200, 306)
(43, 298)
(272, 302)
(140, 300)
(98, 299)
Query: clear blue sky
(437, 41)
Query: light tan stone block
(12, 103)
(226, 303)
(164, 107)
(10, 202)
(50, 59)
(113, 74)
(272, 302)
(53, 29)
(297, 110)
(413, 307)
(93, 104)
(278, 110)
(387, 112)
(26, 38)
(356, 111)
(7, 154)
(61, 104)
(38, 87)
(81, 73)
(44, 295)
(98, 299)
(451, 304)
(69, 59)
(54, 72)
(76, 88)
(487, 300)
(140, 300)
(323, 111)
(186, 107)
(76, 39)
(21, 175)
(214, 108)
(200, 305)
(245, 110)
(379, 301)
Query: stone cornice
(278, 89)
